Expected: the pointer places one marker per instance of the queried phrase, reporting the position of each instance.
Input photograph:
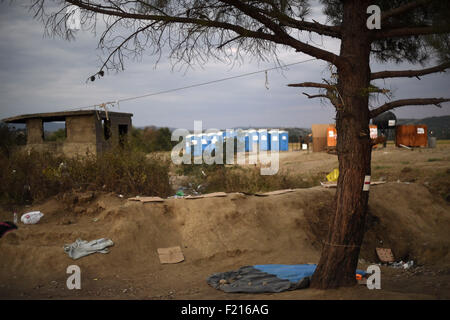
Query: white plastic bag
(31, 217)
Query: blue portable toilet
(284, 141)
(264, 142)
(229, 133)
(251, 140)
(188, 146)
(204, 140)
(214, 139)
(274, 136)
(197, 145)
(241, 139)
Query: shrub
(215, 178)
(121, 170)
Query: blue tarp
(265, 278)
(293, 273)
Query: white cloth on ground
(81, 248)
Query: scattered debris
(180, 193)
(170, 255)
(401, 264)
(333, 175)
(403, 146)
(31, 217)
(81, 248)
(334, 184)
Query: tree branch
(407, 102)
(409, 73)
(315, 95)
(322, 29)
(404, 8)
(280, 36)
(312, 85)
(283, 37)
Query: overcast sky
(39, 74)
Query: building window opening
(123, 132)
(54, 131)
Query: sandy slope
(221, 234)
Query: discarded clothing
(6, 227)
(81, 248)
(265, 278)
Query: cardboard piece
(272, 193)
(170, 255)
(146, 199)
(208, 195)
(385, 255)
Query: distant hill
(439, 125)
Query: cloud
(40, 74)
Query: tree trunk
(341, 248)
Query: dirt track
(221, 234)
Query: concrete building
(88, 131)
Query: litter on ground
(81, 248)
(334, 184)
(146, 199)
(31, 217)
(208, 195)
(272, 193)
(170, 255)
(333, 175)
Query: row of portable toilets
(253, 140)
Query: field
(410, 214)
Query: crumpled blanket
(81, 248)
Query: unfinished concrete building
(86, 132)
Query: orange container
(331, 136)
(411, 135)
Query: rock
(91, 211)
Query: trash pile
(387, 258)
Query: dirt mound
(215, 234)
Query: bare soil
(409, 214)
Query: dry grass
(34, 176)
